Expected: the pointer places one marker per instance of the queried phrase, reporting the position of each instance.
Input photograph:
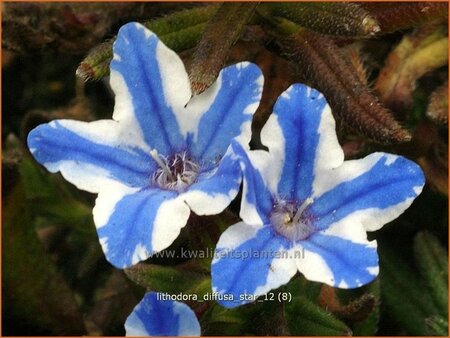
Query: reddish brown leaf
(394, 16)
(321, 64)
(334, 18)
(66, 27)
(221, 32)
(355, 311)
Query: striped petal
(337, 261)
(91, 155)
(132, 225)
(151, 87)
(215, 189)
(370, 191)
(156, 317)
(249, 262)
(301, 137)
(225, 111)
(257, 200)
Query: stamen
(300, 210)
(154, 154)
(176, 172)
(290, 221)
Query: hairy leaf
(334, 18)
(221, 32)
(369, 326)
(171, 279)
(432, 260)
(322, 65)
(404, 295)
(306, 318)
(355, 311)
(394, 16)
(179, 31)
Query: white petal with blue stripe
(139, 224)
(154, 316)
(226, 111)
(151, 87)
(301, 138)
(88, 154)
(215, 189)
(250, 261)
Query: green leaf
(50, 196)
(179, 31)
(36, 182)
(308, 289)
(432, 261)
(263, 317)
(305, 318)
(404, 295)
(170, 279)
(36, 292)
(438, 326)
(221, 321)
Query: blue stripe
(299, 117)
(380, 187)
(258, 193)
(223, 120)
(157, 316)
(347, 261)
(139, 67)
(54, 144)
(131, 224)
(234, 275)
(226, 178)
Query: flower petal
(151, 87)
(301, 136)
(91, 155)
(156, 317)
(225, 110)
(370, 191)
(249, 262)
(215, 189)
(132, 225)
(257, 200)
(337, 261)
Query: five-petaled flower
(162, 155)
(160, 317)
(301, 197)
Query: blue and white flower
(305, 209)
(162, 155)
(155, 316)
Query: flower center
(292, 222)
(176, 172)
